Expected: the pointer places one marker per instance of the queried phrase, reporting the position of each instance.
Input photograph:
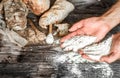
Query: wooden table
(35, 62)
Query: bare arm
(99, 27)
(112, 16)
(96, 26)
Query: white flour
(75, 59)
(96, 51)
(106, 70)
(78, 42)
(49, 39)
(71, 57)
(74, 70)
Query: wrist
(111, 22)
(112, 16)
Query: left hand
(94, 26)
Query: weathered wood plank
(35, 62)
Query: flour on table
(70, 57)
(106, 70)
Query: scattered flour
(75, 59)
(70, 57)
(94, 51)
(106, 70)
(74, 70)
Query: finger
(71, 47)
(78, 47)
(78, 32)
(81, 52)
(76, 26)
(92, 52)
(86, 57)
(68, 36)
(110, 58)
(67, 43)
(68, 48)
(95, 57)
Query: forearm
(112, 16)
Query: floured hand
(114, 51)
(94, 26)
(96, 51)
(78, 42)
(83, 43)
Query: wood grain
(35, 61)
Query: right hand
(94, 26)
(114, 51)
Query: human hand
(114, 53)
(78, 42)
(115, 50)
(96, 51)
(94, 26)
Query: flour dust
(72, 65)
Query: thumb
(110, 58)
(76, 26)
(99, 37)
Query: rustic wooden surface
(35, 62)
